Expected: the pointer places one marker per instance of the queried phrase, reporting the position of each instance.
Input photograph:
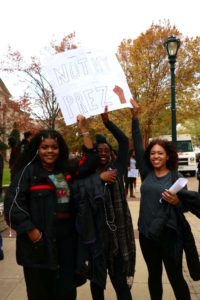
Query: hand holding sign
(82, 123)
(135, 107)
(83, 127)
(104, 115)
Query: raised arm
(137, 140)
(89, 161)
(122, 153)
(84, 131)
(116, 132)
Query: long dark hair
(172, 162)
(30, 154)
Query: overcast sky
(29, 26)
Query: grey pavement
(12, 285)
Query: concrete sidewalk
(12, 285)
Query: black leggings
(170, 252)
(119, 283)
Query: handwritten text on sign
(85, 82)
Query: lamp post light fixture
(172, 44)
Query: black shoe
(1, 255)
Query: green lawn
(6, 178)
(6, 174)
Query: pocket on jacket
(39, 254)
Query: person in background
(26, 141)
(132, 173)
(119, 233)
(39, 206)
(160, 231)
(14, 154)
(1, 178)
(1, 173)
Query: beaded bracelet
(85, 133)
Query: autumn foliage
(145, 63)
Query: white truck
(186, 155)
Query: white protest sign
(85, 81)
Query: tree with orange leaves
(147, 69)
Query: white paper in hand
(178, 185)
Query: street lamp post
(172, 44)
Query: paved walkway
(12, 285)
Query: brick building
(10, 114)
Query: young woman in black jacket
(39, 206)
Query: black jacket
(32, 204)
(190, 201)
(90, 225)
(29, 210)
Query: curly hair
(30, 154)
(169, 147)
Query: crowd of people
(72, 218)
